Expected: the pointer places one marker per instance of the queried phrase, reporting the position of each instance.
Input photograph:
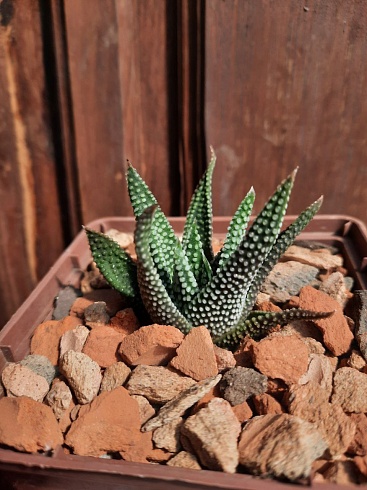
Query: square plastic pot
(60, 471)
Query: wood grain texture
(119, 83)
(286, 86)
(30, 232)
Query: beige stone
(213, 433)
(83, 375)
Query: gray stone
(83, 374)
(176, 407)
(240, 383)
(213, 432)
(41, 365)
(282, 446)
(286, 280)
(64, 301)
(335, 287)
(96, 313)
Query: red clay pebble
(195, 356)
(283, 357)
(110, 423)
(102, 345)
(153, 345)
(336, 333)
(28, 425)
(46, 337)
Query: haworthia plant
(182, 283)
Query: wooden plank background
(87, 84)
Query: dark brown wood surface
(87, 84)
(30, 217)
(286, 87)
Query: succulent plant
(182, 283)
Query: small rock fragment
(335, 287)
(152, 345)
(40, 365)
(213, 433)
(96, 314)
(102, 345)
(113, 299)
(319, 371)
(240, 383)
(83, 374)
(195, 355)
(141, 450)
(168, 436)
(286, 280)
(59, 398)
(74, 339)
(28, 425)
(356, 361)
(310, 402)
(358, 445)
(122, 238)
(146, 410)
(283, 357)
(350, 390)
(183, 459)
(266, 404)
(336, 333)
(242, 411)
(342, 473)
(125, 321)
(224, 358)
(158, 384)
(19, 380)
(110, 423)
(64, 301)
(360, 315)
(267, 441)
(320, 258)
(115, 375)
(177, 406)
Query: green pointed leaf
(284, 240)
(193, 249)
(236, 229)
(200, 211)
(163, 238)
(258, 323)
(154, 294)
(184, 284)
(115, 264)
(218, 306)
